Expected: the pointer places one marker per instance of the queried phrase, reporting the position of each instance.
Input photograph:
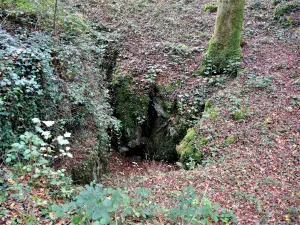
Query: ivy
(27, 83)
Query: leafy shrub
(34, 152)
(29, 162)
(98, 205)
(63, 78)
(188, 208)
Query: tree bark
(226, 41)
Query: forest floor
(258, 175)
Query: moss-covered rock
(165, 132)
(131, 108)
(188, 149)
(91, 169)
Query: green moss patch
(209, 110)
(187, 149)
(230, 140)
(239, 115)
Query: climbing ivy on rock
(27, 83)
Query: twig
(199, 204)
(54, 20)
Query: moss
(186, 149)
(239, 115)
(285, 8)
(187, 143)
(209, 110)
(189, 155)
(202, 142)
(210, 7)
(230, 140)
(208, 105)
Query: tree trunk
(226, 41)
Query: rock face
(151, 126)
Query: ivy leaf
(69, 155)
(62, 141)
(103, 221)
(48, 123)
(36, 120)
(67, 135)
(96, 214)
(46, 134)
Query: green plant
(255, 81)
(285, 8)
(209, 110)
(105, 205)
(239, 115)
(210, 7)
(27, 84)
(98, 205)
(219, 66)
(230, 140)
(189, 208)
(48, 78)
(35, 151)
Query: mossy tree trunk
(226, 41)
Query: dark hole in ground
(143, 148)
